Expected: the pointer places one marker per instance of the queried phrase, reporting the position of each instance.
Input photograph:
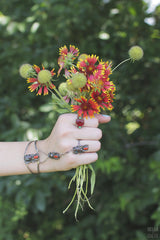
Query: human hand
(65, 136)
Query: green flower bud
(70, 86)
(25, 70)
(82, 57)
(70, 55)
(135, 53)
(79, 80)
(63, 89)
(44, 76)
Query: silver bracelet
(32, 157)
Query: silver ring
(80, 148)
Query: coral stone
(85, 148)
(79, 122)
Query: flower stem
(66, 104)
(126, 60)
(71, 201)
(80, 177)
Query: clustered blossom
(87, 88)
(98, 91)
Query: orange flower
(86, 107)
(37, 85)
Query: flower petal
(45, 91)
(37, 69)
(33, 87)
(39, 91)
(31, 80)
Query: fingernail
(104, 115)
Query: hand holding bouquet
(87, 90)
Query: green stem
(86, 181)
(72, 180)
(66, 104)
(126, 60)
(85, 197)
(80, 177)
(71, 201)
(78, 199)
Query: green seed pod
(25, 70)
(70, 86)
(83, 56)
(63, 89)
(44, 76)
(135, 53)
(79, 80)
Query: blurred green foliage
(127, 193)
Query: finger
(93, 146)
(70, 119)
(75, 160)
(69, 161)
(103, 118)
(85, 158)
(88, 133)
(88, 122)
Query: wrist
(46, 163)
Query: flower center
(100, 82)
(85, 106)
(90, 69)
(99, 99)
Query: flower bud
(44, 76)
(25, 70)
(83, 56)
(70, 86)
(79, 80)
(63, 89)
(135, 53)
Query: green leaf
(92, 179)
(40, 201)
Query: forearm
(64, 136)
(12, 158)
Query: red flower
(66, 58)
(63, 51)
(86, 107)
(90, 65)
(103, 99)
(109, 86)
(107, 69)
(40, 87)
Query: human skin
(63, 138)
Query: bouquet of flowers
(87, 90)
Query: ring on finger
(79, 121)
(80, 148)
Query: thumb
(103, 118)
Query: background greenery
(127, 193)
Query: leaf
(93, 178)
(40, 201)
